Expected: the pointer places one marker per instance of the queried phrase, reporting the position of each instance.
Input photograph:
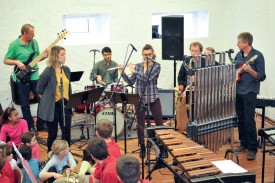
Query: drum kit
(104, 109)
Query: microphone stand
(113, 93)
(92, 107)
(62, 97)
(142, 145)
(94, 50)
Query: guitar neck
(43, 54)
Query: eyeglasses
(148, 55)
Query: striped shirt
(140, 78)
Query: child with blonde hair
(61, 158)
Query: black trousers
(245, 109)
(155, 108)
(24, 98)
(58, 119)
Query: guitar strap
(33, 46)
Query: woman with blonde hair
(61, 158)
(49, 88)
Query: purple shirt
(140, 78)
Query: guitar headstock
(63, 34)
(253, 58)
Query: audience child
(3, 160)
(98, 150)
(131, 164)
(26, 153)
(29, 139)
(60, 158)
(6, 172)
(13, 126)
(104, 129)
(87, 163)
(9, 156)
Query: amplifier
(166, 97)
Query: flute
(113, 68)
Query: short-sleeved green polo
(18, 51)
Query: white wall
(130, 22)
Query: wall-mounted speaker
(172, 37)
(167, 103)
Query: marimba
(195, 160)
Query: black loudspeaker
(15, 94)
(172, 37)
(167, 103)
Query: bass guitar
(239, 71)
(24, 75)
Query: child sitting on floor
(26, 153)
(9, 156)
(60, 158)
(86, 164)
(13, 126)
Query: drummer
(100, 72)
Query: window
(195, 23)
(86, 29)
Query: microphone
(147, 58)
(230, 51)
(230, 56)
(133, 47)
(60, 62)
(95, 50)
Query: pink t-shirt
(14, 132)
(35, 152)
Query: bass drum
(108, 113)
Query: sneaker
(251, 155)
(240, 149)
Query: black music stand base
(160, 163)
(82, 136)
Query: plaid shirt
(140, 78)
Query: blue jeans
(24, 98)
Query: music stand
(125, 99)
(75, 76)
(83, 98)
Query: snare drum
(108, 113)
(90, 87)
(112, 87)
(119, 88)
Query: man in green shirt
(19, 52)
(100, 72)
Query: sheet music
(228, 166)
